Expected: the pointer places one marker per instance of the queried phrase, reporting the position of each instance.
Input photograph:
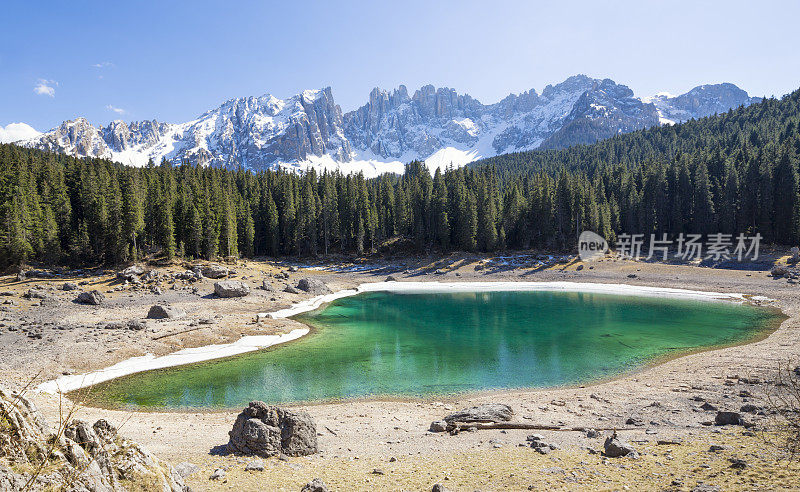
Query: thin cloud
(45, 87)
(115, 109)
(105, 64)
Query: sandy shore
(358, 437)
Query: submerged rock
(490, 412)
(231, 288)
(266, 430)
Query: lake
(399, 344)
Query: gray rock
(291, 290)
(214, 271)
(315, 485)
(265, 285)
(392, 278)
(36, 294)
(93, 297)
(69, 286)
(165, 312)
(218, 474)
(615, 447)
(186, 469)
(254, 465)
(728, 418)
(136, 325)
(708, 407)
(438, 426)
(490, 412)
(779, 271)
(313, 286)
(231, 288)
(294, 268)
(438, 488)
(266, 430)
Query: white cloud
(105, 64)
(17, 131)
(45, 87)
(116, 110)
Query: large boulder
(489, 412)
(266, 430)
(165, 312)
(313, 286)
(93, 297)
(614, 447)
(214, 271)
(231, 288)
(36, 294)
(315, 485)
(131, 274)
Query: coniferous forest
(731, 173)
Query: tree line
(733, 173)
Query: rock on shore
(231, 288)
(266, 430)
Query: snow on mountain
(17, 131)
(703, 100)
(439, 125)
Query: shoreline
(246, 344)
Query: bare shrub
(782, 400)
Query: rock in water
(313, 286)
(164, 312)
(615, 447)
(266, 430)
(214, 271)
(315, 485)
(93, 297)
(490, 412)
(231, 288)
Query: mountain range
(438, 125)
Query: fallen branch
(521, 425)
(194, 328)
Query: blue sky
(172, 60)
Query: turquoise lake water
(413, 345)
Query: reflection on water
(382, 343)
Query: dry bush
(782, 400)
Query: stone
(165, 312)
(265, 285)
(93, 297)
(254, 465)
(391, 278)
(131, 274)
(136, 325)
(738, 464)
(438, 488)
(291, 290)
(265, 430)
(708, 407)
(315, 485)
(438, 426)
(614, 447)
(231, 288)
(218, 474)
(36, 294)
(490, 412)
(779, 271)
(186, 469)
(592, 433)
(313, 286)
(294, 268)
(728, 418)
(214, 271)
(69, 286)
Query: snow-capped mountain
(440, 126)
